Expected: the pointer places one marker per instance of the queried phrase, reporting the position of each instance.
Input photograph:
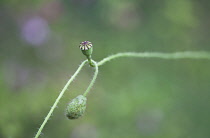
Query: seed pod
(87, 48)
(76, 107)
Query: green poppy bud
(87, 48)
(76, 107)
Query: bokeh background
(147, 98)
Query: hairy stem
(59, 97)
(176, 55)
(94, 78)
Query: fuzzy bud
(86, 47)
(76, 107)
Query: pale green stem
(94, 78)
(176, 55)
(59, 97)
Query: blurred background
(147, 98)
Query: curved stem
(90, 61)
(94, 78)
(176, 55)
(59, 97)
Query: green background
(132, 97)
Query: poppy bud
(76, 107)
